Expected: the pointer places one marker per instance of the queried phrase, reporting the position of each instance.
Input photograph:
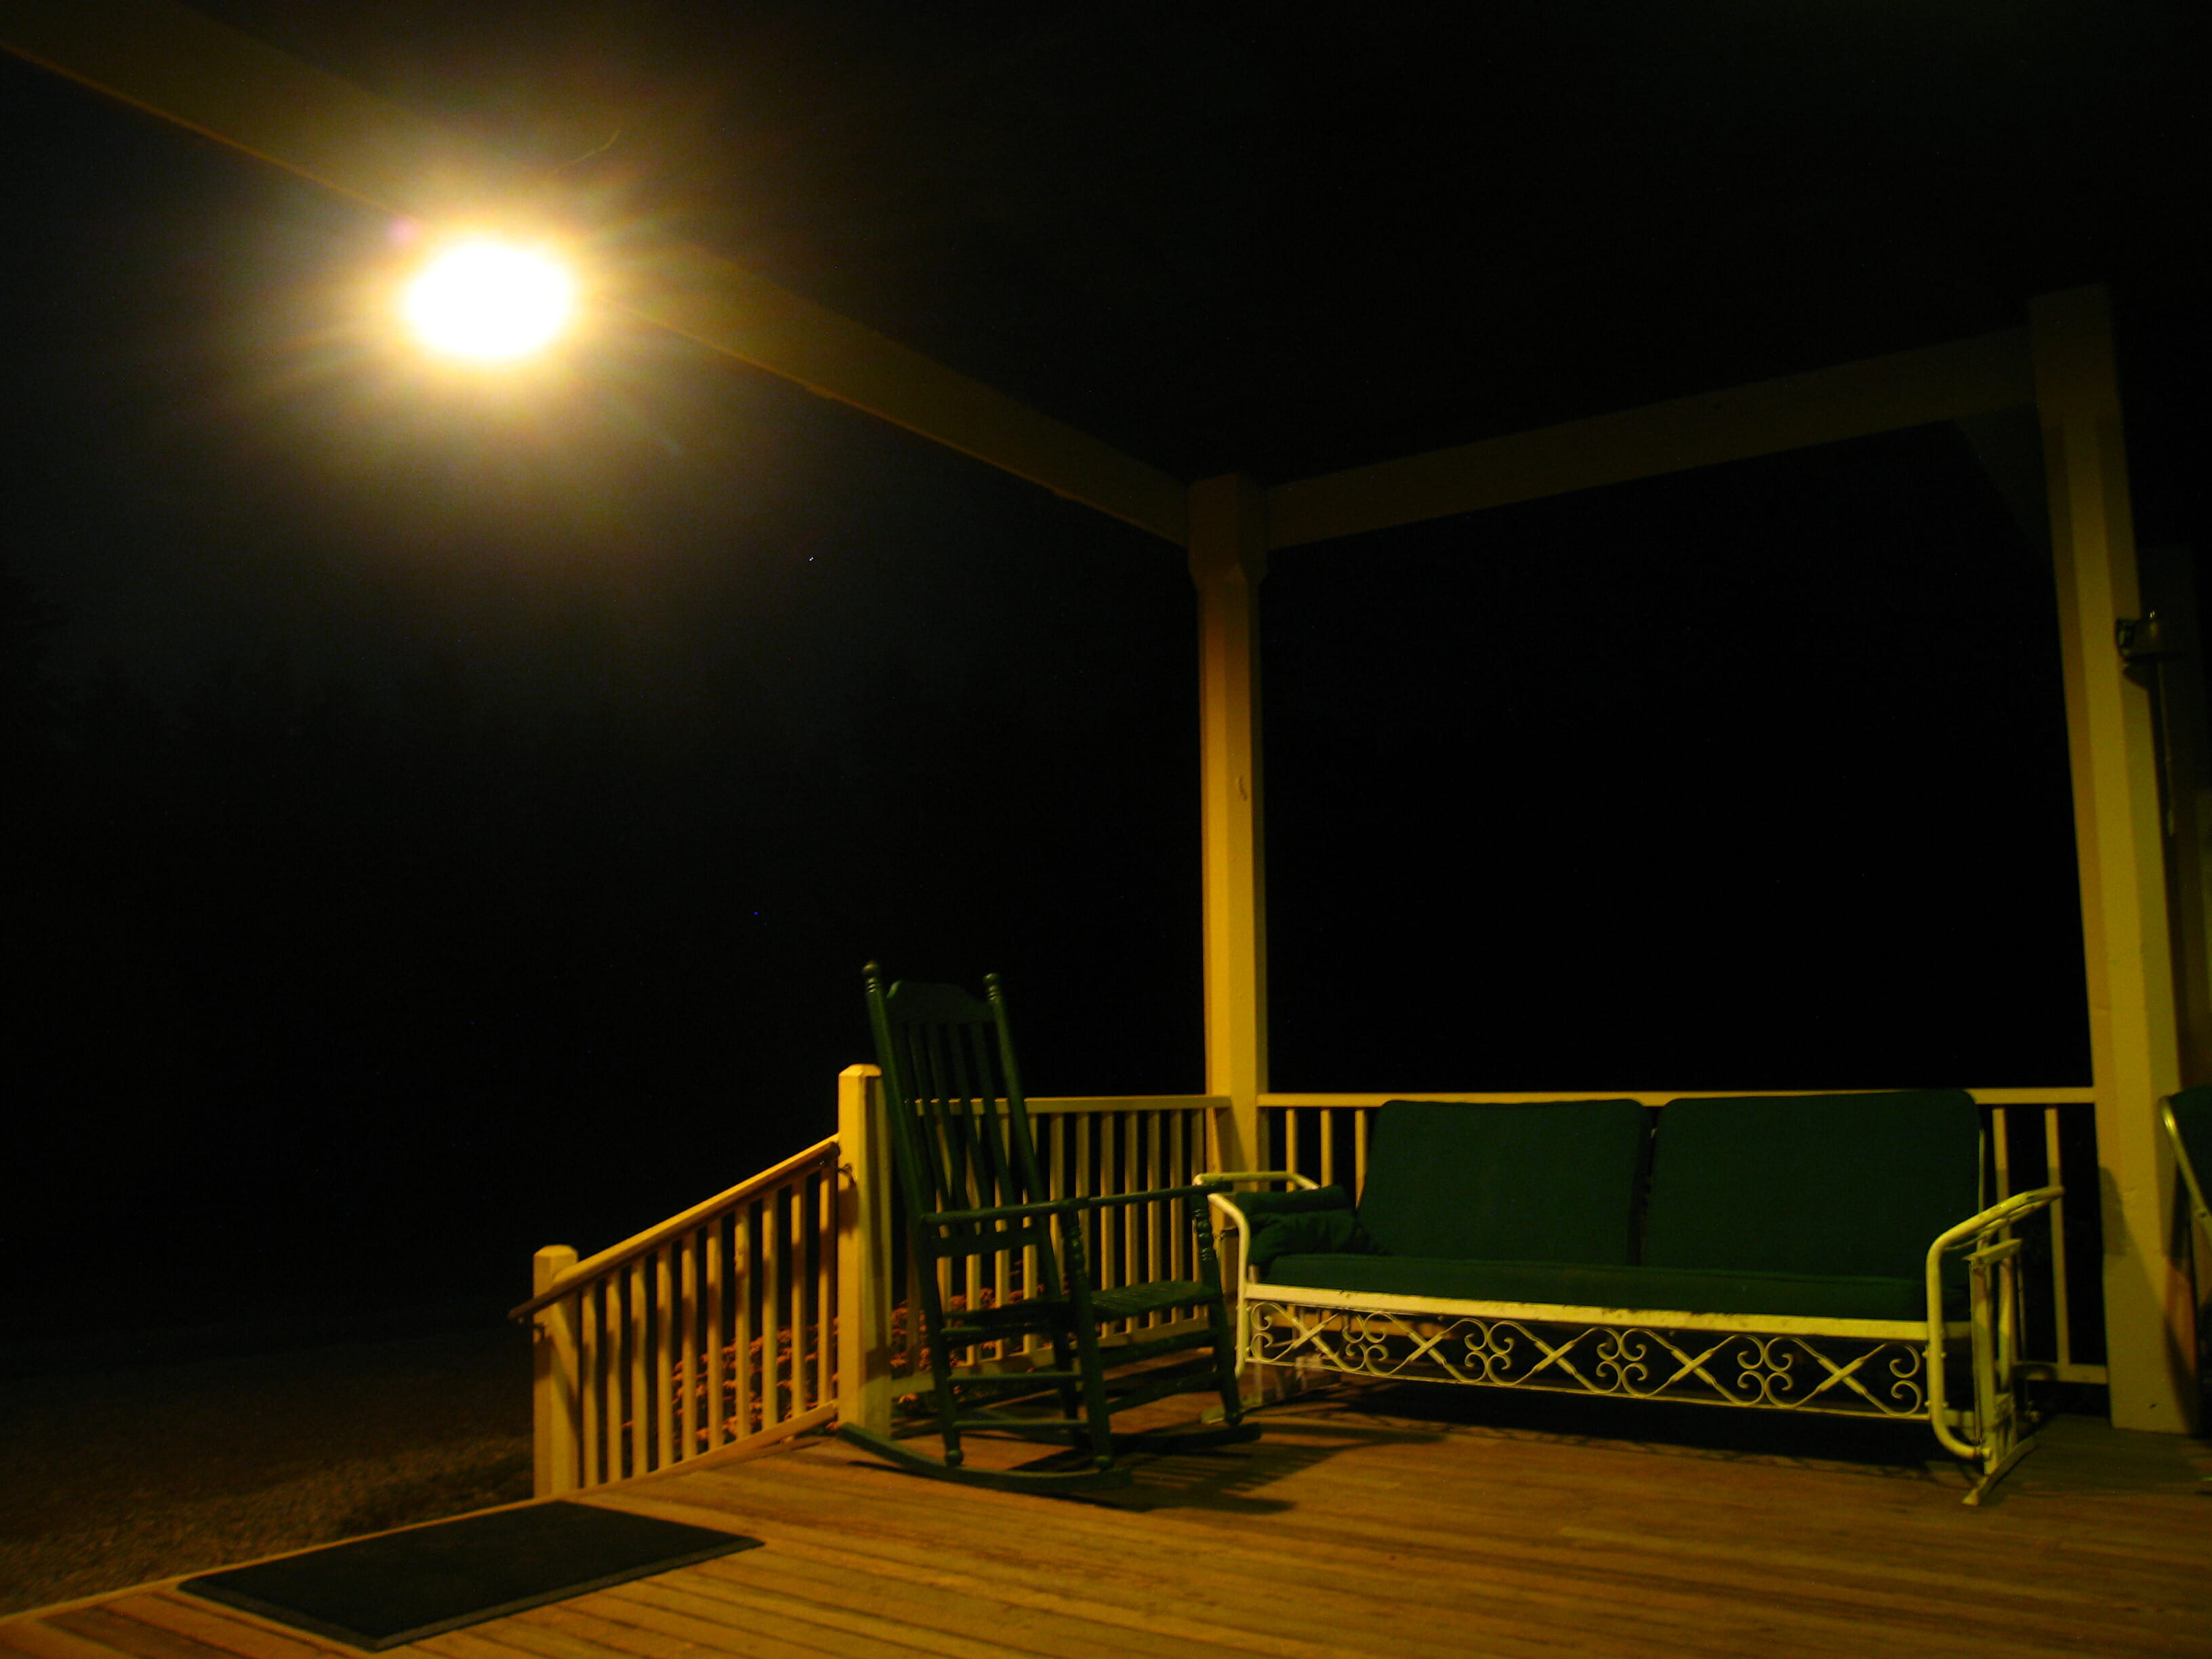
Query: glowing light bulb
(490, 301)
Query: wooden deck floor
(1350, 1531)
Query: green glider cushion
(1816, 1295)
(1316, 1219)
(1297, 1200)
(1849, 1185)
(2192, 1115)
(1550, 1182)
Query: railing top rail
(1126, 1102)
(2057, 1095)
(660, 1233)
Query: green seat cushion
(1550, 1182)
(1821, 1296)
(2192, 1115)
(1319, 1219)
(1857, 1186)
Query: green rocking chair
(969, 1181)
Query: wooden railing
(783, 1303)
(768, 1309)
(711, 1329)
(2037, 1137)
(1086, 1144)
(1099, 1146)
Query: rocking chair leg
(948, 1408)
(1224, 1366)
(1096, 1413)
(1063, 1360)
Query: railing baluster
(1180, 1266)
(2057, 1176)
(641, 1403)
(1044, 1132)
(1153, 1254)
(1086, 1178)
(718, 1334)
(825, 1291)
(770, 1276)
(664, 1356)
(612, 1396)
(1133, 1180)
(1362, 1122)
(687, 1347)
(743, 1285)
(1002, 1261)
(794, 1272)
(587, 1380)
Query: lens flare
(490, 302)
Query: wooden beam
(165, 58)
(1948, 382)
(717, 303)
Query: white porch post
(1228, 557)
(864, 1253)
(2133, 1037)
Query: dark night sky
(476, 801)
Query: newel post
(864, 1253)
(554, 1393)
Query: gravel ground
(114, 1478)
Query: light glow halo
(490, 301)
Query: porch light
(490, 301)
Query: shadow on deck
(1389, 1521)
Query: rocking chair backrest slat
(959, 1122)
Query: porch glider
(1802, 1252)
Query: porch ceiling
(1233, 239)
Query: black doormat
(377, 1593)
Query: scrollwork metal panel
(1847, 1376)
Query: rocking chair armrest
(1004, 1211)
(1063, 1205)
(1107, 1199)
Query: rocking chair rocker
(969, 1181)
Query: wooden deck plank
(1851, 1577)
(1932, 1515)
(36, 1638)
(746, 1606)
(108, 1626)
(624, 1637)
(1249, 1590)
(1330, 1530)
(576, 1638)
(473, 1643)
(715, 1635)
(937, 1607)
(225, 1631)
(1341, 1533)
(1113, 1602)
(1328, 1535)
